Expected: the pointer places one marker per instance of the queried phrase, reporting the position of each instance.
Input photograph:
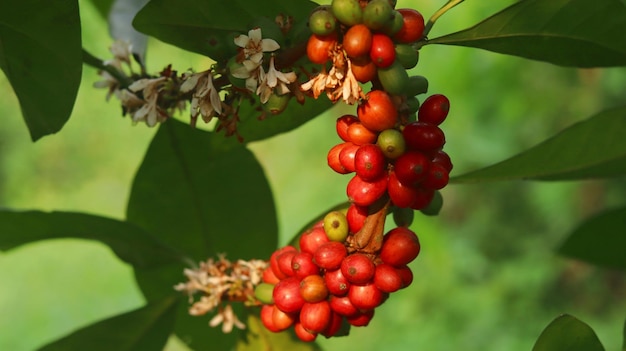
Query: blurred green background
(487, 278)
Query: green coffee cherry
(392, 143)
(407, 56)
(417, 85)
(394, 78)
(403, 217)
(392, 27)
(263, 292)
(377, 14)
(336, 226)
(322, 21)
(347, 12)
(276, 104)
(412, 105)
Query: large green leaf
(208, 27)
(145, 329)
(600, 240)
(592, 148)
(567, 333)
(202, 199)
(40, 53)
(131, 243)
(578, 33)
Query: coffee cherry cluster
(326, 286)
(406, 162)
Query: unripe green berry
(417, 85)
(435, 205)
(336, 226)
(276, 104)
(403, 217)
(263, 292)
(391, 142)
(378, 14)
(347, 12)
(322, 21)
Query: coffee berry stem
(445, 8)
(369, 238)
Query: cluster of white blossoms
(257, 80)
(338, 83)
(220, 282)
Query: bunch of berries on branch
(345, 266)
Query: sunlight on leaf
(592, 148)
(577, 33)
(40, 54)
(567, 333)
(599, 240)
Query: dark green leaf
(131, 243)
(567, 333)
(578, 33)
(40, 53)
(259, 338)
(103, 6)
(208, 27)
(251, 128)
(592, 148)
(599, 240)
(202, 199)
(145, 329)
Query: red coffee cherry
(315, 317)
(442, 158)
(282, 320)
(287, 295)
(401, 195)
(412, 28)
(358, 268)
(313, 288)
(336, 283)
(369, 162)
(304, 334)
(267, 312)
(378, 111)
(406, 275)
(329, 255)
(360, 135)
(336, 320)
(434, 109)
(346, 156)
(382, 52)
(269, 276)
(356, 217)
(318, 47)
(357, 41)
(343, 306)
(365, 297)
(437, 177)
(400, 247)
(284, 263)
(364, 70)
(303, 266)
(423, 197)
(274, 261)
(365, 193)
(342, 125)
(412, 168)
(423, 137)
(333, 159)
(361, 319)
(312, 239)
(387, 278)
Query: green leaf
(592, 148)
(103, 7)
(259, 338)
(251, 128)
(202, 199)
(567, 333)
(146, 329)
(577, 33)
(131, 243)
(208, 27)
(599, 240)
(624, 338)
(40, 53)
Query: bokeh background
(487, 278)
